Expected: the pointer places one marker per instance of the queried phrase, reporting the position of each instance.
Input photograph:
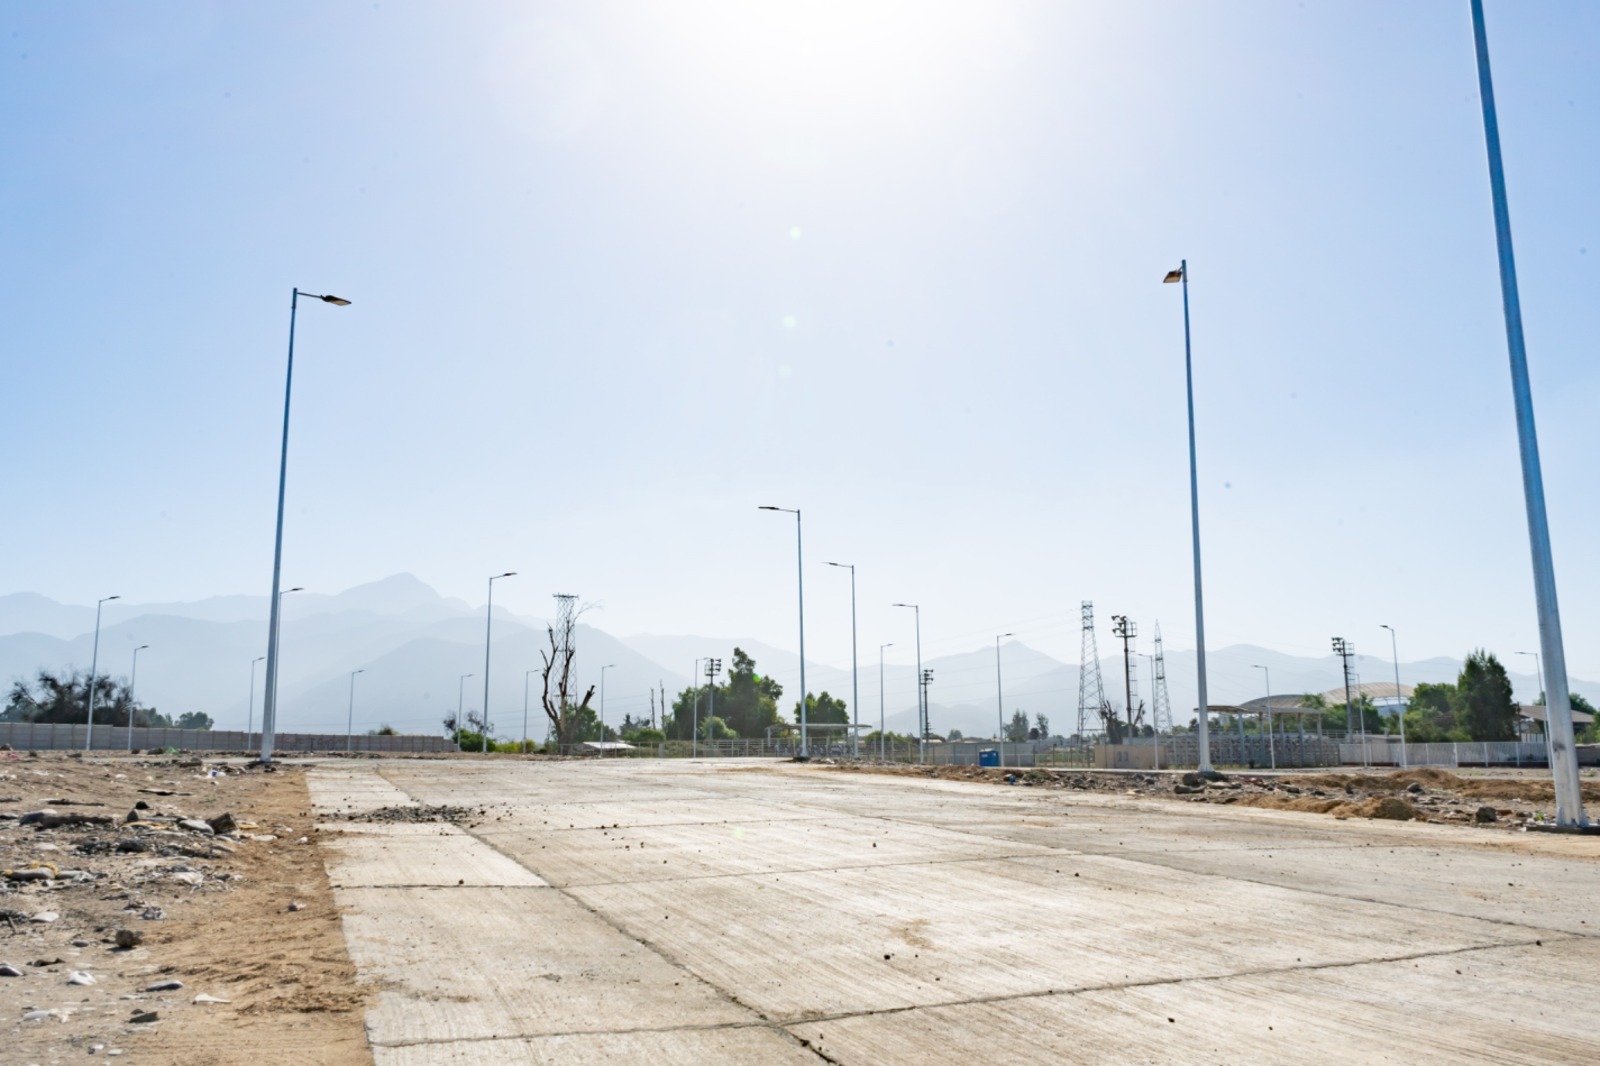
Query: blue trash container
(988, 757)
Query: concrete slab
(1019, 925)
(489, 963)
(411, 855)
(673, 1047)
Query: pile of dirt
(1388, 807)
(204, 910)
(454, 815)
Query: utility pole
(1345, 651)
(927, 679)
(1127, 631)
(713, 668)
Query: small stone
(1415, 786)
(33, 873)
(45, 917)
(133, 844)
(78, 977)
(163, 986)
(140, 805)
(1485, 814)
(222, 823)
(46, 1015)
(144, 1017)
(203, 998)
(8, 970)
(37, 817)
(80, 943)
(128, 938)
(296, 905)
(189, 877)
(195, 825)
(152, 914)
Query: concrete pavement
(732, 912)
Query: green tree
(1017, 728)
(748, 702)
(1486, 710)
(823, 710)
(194, 720)
(64, 698)
(1042, 724)
(955, 735)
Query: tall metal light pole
(855, 674)
(1394, 647)
(133, 688)
(274, 664)
(350, 719)
(1272, 744)
(488, 629)
(1558, 703)
(603, 670)
(1000, 697)
(1155, 724)
(922, 711)
(525, 676)
(94, 667)
(1203, 737)
(1538, 671)
(461, 697)
(250, 715)
(694, 719)
(269, 701)
(799, 549)
(882, 739)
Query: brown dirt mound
(1378, 807)
(1427, 776)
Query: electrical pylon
(1159, 703)
(1091, 690)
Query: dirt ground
(242, 915)
(1512, 801)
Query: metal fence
(45, 736)
(1379, 752)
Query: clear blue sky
(623, 272)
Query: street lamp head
(141, 647)
(508, 573)
(108, 599)
(1173, 276)
(1005, 635)
(337, 301)
(844, 566)
(297, 588)
(768, 507)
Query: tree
(823, 710)
(1042, 724)
(1486, 710)
(955, 735)
(1017, 728)
(569, 723)
(195, 720)
(64, 698)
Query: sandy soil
(1423, 795)
(211, 911)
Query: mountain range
(413, 646)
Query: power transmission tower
(1126, 630)
(1091, 691)
(1160, 706)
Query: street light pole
(855, 673)
(1272, 744)
(250, 715)
(882, 740)
(275, 663)
(799, 548)
(1538, 672)
(1000, 698)
(1155, 725)
(922, 710)
(1203, 737)
(94, 667)
(350, 719)
(461, 697)
(1394, 647)
(269, 701)
(694, 719)
(488, 629)
(1558, 703)
(133, 688)
(603, 670)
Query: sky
(622, 273)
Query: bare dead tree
(556, 699)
